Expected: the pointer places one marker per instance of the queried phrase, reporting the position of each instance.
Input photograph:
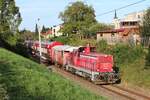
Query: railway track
(113, 92)
(131, 95)
(132, 92)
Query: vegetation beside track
(22, 79)
(130, 59)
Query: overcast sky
(48, 10)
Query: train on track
(81, 60)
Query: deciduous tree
(77, 18)
(10, 19)
(145, 30)
(146, 33)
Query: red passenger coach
(61, 54)
(45, 48)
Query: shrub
(126, 54)
(147, 63)
(3, 93)
(102, 46)
(62, 39)
(122, 53)
(74, 40)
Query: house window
(101, 34)
(112, 34)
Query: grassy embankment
(22, 79)
(130, 59)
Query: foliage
(134, 74)
(27, 35)
(145, 30)
(75, 40)
(77, 18)
(10, 19)
(146, 33)
(36, 31)
(9, 38)
(27, 80)
(62, 39)
(102, 46)
(124, 54)
(3, 93)
(147, 63)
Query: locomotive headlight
(106, 56)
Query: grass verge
(22, 79)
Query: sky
(48, 10)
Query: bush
(147, 63)
(62, 39)
(3, 93)
(124, 54)
(102, 46)
(75, 40)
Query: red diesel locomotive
(83, 61)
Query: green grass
(135, 74)
(22, 79)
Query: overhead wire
(117, 9)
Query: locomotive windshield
(92, 49)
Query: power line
(120, 8)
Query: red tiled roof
(130, 30)
(112, 31)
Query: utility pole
(39, 30)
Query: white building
(56, 30)
(130, 20)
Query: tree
(10, 19)
(36, 30)
(43, 29)
(77, 18)
(36, 34)
(145, 29)
(26, 35)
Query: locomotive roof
(64, 48)
(93, 54)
